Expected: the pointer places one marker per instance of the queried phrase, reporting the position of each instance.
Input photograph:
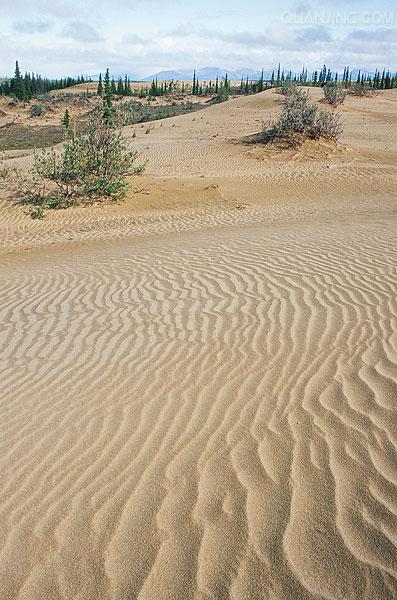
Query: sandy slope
(199, 386)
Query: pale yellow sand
(199, 386)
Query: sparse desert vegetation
(91, 165)
(197, 384)
(334, 94)
(300, 119)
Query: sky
(141, 37)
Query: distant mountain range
(208, 73)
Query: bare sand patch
(198, 385)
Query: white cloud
(81, 32)
(27, 27)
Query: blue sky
(58, 37)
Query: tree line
(380, 80)
(27, 86)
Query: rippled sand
(199, 386)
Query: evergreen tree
(100, 85)
(66, 122)
(382, 81)
(127, 87)
(260, 83)
(107, 99)
(16, 85)
(26, 88)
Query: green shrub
(222, 95)
(90, 165)
(37, 212)
(300, 119)
(287, 87)
(360, 90)
(36, 110)
(327, 125)
(298, 114)
(333, 93)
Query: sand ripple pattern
(211, 417)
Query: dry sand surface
(199, 385)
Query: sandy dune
(199, 385)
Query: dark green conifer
(107, 99)
(66, 122)
(16, 85)
(100, 85)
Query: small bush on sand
(90, 166)
(300, 119)
(327, 125)
(37, 212)
(36, 110)
(358, 89)
(298, 114)
(222, 95)
(287, 87)
(333, 93)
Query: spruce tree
(26, 88)
(382, 81)
(100, 85)
(16, 85)
(260, 83)
(66, 122)
(127, 87)
(107, 99)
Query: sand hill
(198, 386)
